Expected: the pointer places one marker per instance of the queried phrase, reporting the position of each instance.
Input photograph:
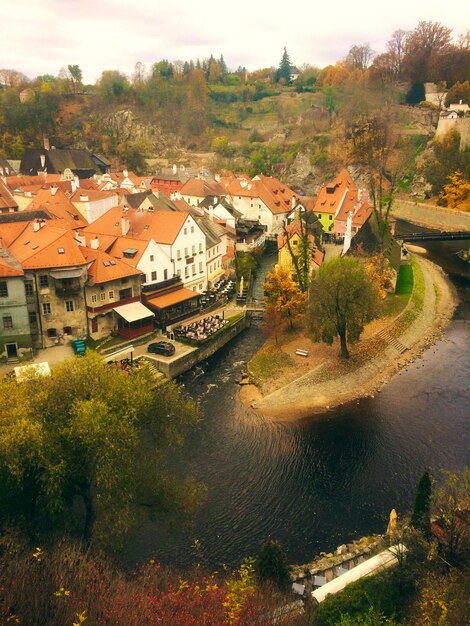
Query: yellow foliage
(456, 193)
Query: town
(233, 320)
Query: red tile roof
(200, 188)
(48, 247)
(7, 201)
(332, 194)
(161, 226)
(105, 268)
(60, 207)
(9, 266)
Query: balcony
(64, 289)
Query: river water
(324, 481)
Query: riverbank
(387, 346)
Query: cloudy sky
(41, 36)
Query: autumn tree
(445, 160)
(76, 76)
(342, 299)
(459, 91)
(360, 56)
(450, 506)
(456, 192)
(424, 49)
(285, 303)
(83, 450)
(299, 238)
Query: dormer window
(61, 250)
(130, 253)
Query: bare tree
(360, 56)
(395, 47)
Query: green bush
(383, 594)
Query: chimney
(54, 189)
(125, 173)
(217, 178)
(76, 181)
(73, 186)
(42, 158)
(83, 198)
(125, 225)
(216, 200)
(95, 243)
(211, 213)
(47, 145)
(80, 239)
(175, 169)
(294, 201)
(36, 226)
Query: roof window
(61, 250)
(130, 253)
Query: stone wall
(461, 125)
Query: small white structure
(384, 560)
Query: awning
(59, 274)
(133, 311)
(174, 297)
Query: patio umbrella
(241, 286)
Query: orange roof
(59, 206)
(167, 299)
(48, 247)
(271, 191)
(161, 226)
(10, 231)
(332, 194)
(105, 268)
(201, 188)
(119, 177)
(104, 241)
(124, 243)
(6, 199)
(92, 195)
(18, 182)
(9, 266)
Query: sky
(42, 36)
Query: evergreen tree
(272, 564)
(223, 65)
(283, 71)
(421, 517)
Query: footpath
(374, 360)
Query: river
(321, 482)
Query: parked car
(161, 347)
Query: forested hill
(262, 121)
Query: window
(193, 250)
(165, 274)
(28, 289)
(186, 252)
(43, 281)
(330, 217)
(185, 231)
(124, 280)
(200, 248)
(179, 272)
(152, 258)
(178, 254)
(153, 276)
(67, 330)
(111, 295)
(69, 305)
(7, 321)
(94, 298)
(192, 229)
(294, 243)
(200, 267)
(46, 308)
(3, 289)
(32, 317)
(51, 332)
(186, 271)
(103, 296)
(194, 269)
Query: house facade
(15, 335)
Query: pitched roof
(207, 227)
(201, 188)
(10, 231)
(7, 201)
(9, 266)
(105, 267)
(92, 195)
(161, 226)
(271, 191)
(49, 246)
(122, 244)
(7, 168)
(58, 160)
(332, 195)
(59, 206)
